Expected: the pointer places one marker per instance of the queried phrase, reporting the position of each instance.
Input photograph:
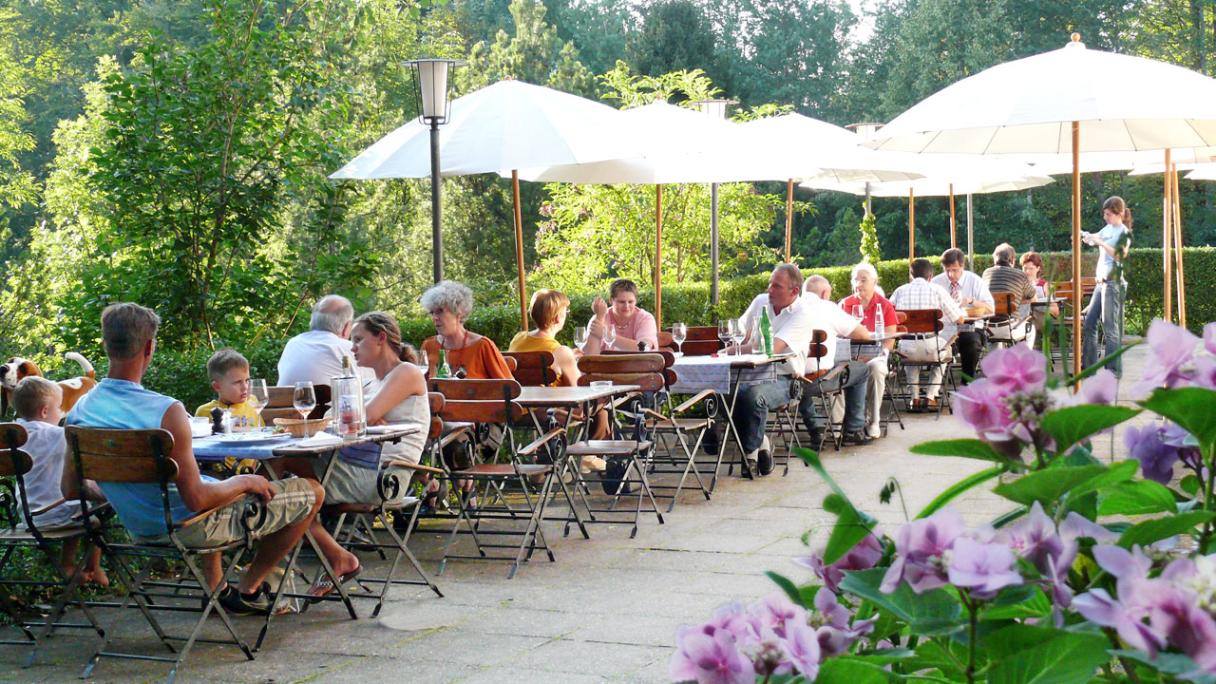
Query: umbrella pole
(953, 225)
(658, 256)
(970, 231)
(789, 216)
(1076, 248)
(1181, 284)
(1167, 209)
(713, 246)
(911, 225)
(519, 251)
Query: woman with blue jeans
(1106, 306)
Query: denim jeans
(752, 406)
(1105, 308)
(854, 399)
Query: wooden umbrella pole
(1167, 208)
(658, 256)
(911, 225)
(789, 216)
(1178, 271)
(1076, 248)
(953, 229)
(519, 251)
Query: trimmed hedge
(182, 373)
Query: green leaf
(947, 655)
(932, 613)
(852, 670)
(1190, 485)
(1115, 474)
(1149, 531)
(787, 586)
(1075, 423)
(1060, 658)
(851, 527)
(1190, 407)
(1137, 497)
(962, 448)
(1169, 663)
(958, 488)
(1016, 603)
(1048, 485)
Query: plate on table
(247, 438)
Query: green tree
(675, 36)
(17, 186)
(870, 251)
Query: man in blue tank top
(119, 401)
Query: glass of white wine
(259, 396)
(724, 334)
(609, 335)
(304, 399)
(580, 337)
(679, 333)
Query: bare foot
(96, 576)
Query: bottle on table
(348, 406)
(766, 332)
(879, 326)
(442, 369)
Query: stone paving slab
(606, 611)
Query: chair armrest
(454, 435)
(541, 441)
(624, 399)
(815, 376)
(199, 517)
(412, 466)
(47, 507)
(693, 401)
(654, 414)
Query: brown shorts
(293, 499)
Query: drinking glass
(305, 400)
(737, 333)
(858, 312)
(679, 333)
(580, 337)
(724, 333)
(609, 335)
(258, 396)
(424, 362)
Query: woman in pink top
(633, 326)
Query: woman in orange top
(548, 311)
(449, 304)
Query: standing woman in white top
(1106, 306)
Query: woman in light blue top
(1106, 306)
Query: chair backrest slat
(436, 402)
(281, 403)
(1005, 305)
(922, 321)
(479, 401)
(646, 370)
(533, 369)
(135, 456)
(13, 461)
(454, 389)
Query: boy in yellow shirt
(229, 372)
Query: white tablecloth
(696, 373)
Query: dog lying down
(16, 368)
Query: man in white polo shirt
(316, 355)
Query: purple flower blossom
(863, 556)
(1156, 457)
(1209, 337)
(1205, 371)
(983, 568)
(1034, 538)
(1172, 347)
(1015, 369)
(801, 646)
(836, 632)
(919, 546)
(708, 655)
(1186, 627)
(775, 613)
(981, 405)
(1100, 388)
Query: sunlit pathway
(607, 610)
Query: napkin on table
(320, 439)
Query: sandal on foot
(324, 584)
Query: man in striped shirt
(922, 294)
(1003, 276)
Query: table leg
(563, 464)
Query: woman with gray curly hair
(449, 304)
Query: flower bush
(1098, 572)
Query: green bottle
(766, 332)
(443, 370)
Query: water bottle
(443, 370)
(348, 406)
(766, 332)
(879, 327)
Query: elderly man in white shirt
(919, 293)
(316, 356)
(969, 291)
(793, 319)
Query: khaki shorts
(293, 500)
(350, 483)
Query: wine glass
(258, 396)
(858, 312)
(609, 335)
(305, 400)
(424, 362)
(580, 337)
(724, 333)
(679, 333)
(737, 333)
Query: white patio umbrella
(1058, 102)
(505, 126)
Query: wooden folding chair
(1007, 326)
(635, 453)
(18, 531)
(142, 457)
(281, 403)
(486, 402)
(820, 370)
(365, 516)
(533, 369)
(702, 340)
(926, 324)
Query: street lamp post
(717, 110)
(431, 91)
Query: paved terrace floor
(606, 611)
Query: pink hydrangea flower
(708, 655)
(983, 568)
(863, 556)
(919, 547)
(1173, 348)
(1016, 369)
(981, 405)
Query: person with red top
(865, 295)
